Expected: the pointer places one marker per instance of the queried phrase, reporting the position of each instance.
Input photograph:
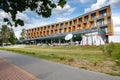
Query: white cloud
(98, 4)
(67, 10)
(101, 3)
(116, 21)
(22, 16)
(115, 3)
(17, 31)
(116, 24)
(33, 23)
(61, 19)
(84, 1)
(61, 14)
(4, 15)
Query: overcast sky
(72, 9)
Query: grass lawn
(87, 57)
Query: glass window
(80, 20)
(70, 23)
(102, 13)
(93, 16)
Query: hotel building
(98, 21)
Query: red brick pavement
(9, 71)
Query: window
(100, 22)
(60, 30)
(52, 26)
(61, 25)
(48, 27)
(102, 13)
(93, 16)
(75, 22)
(80, 20)
(38, 29)
(109, 20)
(44, 28)
(70, 23)
(92, 24)
(57, 26)
(66, 24)
(86, 18)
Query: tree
(22, 34)
(4, 34)
(7, 35)
(41, 7)
(12, 38)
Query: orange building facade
(95, 21)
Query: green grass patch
(89, 57)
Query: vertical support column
(89, 17)
(108, 10)
(54, 29)
(110, 29)
(105, 19)
(95, 22)
(97, 13)
(77, 20)
(72, 22)
(88, 24)
(82, 25)
(83, 19)
(58, 27)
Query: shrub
(62, 58)
(70, 59)
(102, 48)
(107, 48)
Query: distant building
(92, 25)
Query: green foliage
(107, 48)
(41, 7)
(7, 35)
(70, 59)
(12, 38)
(117, 62)
(62, 58)
(22, 35)
(4, 34)
(102, 48)
(113, 74)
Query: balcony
(102, 13)
(70, 23)
(100, 22)
(109, 20)
(93, 16)
(86, 19)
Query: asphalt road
(46, 70)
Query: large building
(97, 22)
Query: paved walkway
(9, 71)
(46, 70)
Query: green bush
(107, 48)
(70, 59)
(102, 48)
(62, 58)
